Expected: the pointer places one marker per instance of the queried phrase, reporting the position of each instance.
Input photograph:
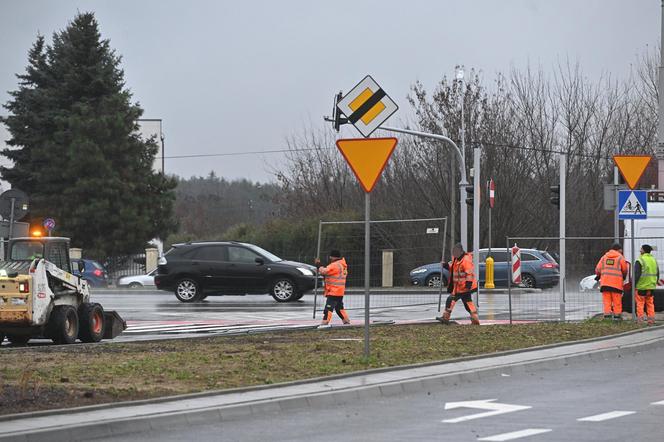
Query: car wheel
(18, 339)
(298, 297)
(135, 285)
(528, 281)
(283, 290)
(187, 290)
(91, 322)
(433, 280)
(63, 324)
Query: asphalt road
(153, 314)
(616, 399)
(150, 313)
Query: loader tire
(63, 324)
(90, 322)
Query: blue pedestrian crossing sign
(633, 204)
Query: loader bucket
(113, 324)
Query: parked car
(195, 270)
(429, 275)
(538, 269)
(138, 281)
(94, 272)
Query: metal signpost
(632, 204)
(366, 107)
(367, 157)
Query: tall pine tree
(75, 146)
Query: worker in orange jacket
(335, 274)
(462, 284)
(611, 271)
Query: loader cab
(53, 249)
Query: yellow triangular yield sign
(367, 157)
(632, 167)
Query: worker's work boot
(617, 317)
(445, 319)
(474, 319)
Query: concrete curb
(193, 410)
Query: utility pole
(660, 124)
(562, 158)
(476, 215)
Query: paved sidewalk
(122, 419)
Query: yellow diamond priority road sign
(367, 106)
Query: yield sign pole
(462, 184)
(367, 158)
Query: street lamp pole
(163, 154)
(462, 169)
(464, 209)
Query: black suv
(197, 269)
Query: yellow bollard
(488, 282)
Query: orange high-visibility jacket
(463, 271)
(335, 277)
(612, 270)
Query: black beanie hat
(646, 248)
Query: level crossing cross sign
(633, 204)
(367, 106)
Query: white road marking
(487, 404)
(605, 416)
(516, 434)
(658, 403)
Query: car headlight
(305, 272)
(416, 271)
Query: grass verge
(42, 378)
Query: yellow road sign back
(632, 167)
(367, 158)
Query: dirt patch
(39, 378)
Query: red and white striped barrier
(516, 265)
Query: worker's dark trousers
(334, 303)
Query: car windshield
(548, 257)
(272, 257)
(95, 264)
(27, 250)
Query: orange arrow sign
(367, 157)
(632, 167)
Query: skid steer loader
(41, 298)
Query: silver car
(138, 281)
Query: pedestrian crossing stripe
(633, 204)
(367, 106)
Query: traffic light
(336, 113)
(470, 192)
(555, 195)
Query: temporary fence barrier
(398, 246)
(543, 296)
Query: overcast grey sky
(241, 76)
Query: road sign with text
(367, 157)
(367, 106)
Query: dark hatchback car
(538, 269)
(94, 272)
(197, 269)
